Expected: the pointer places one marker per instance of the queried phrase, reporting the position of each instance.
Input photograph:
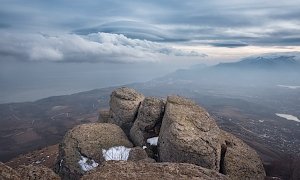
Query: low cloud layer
(95, 47)
(147, 27)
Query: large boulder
(148, 121)
(148, 171)
(37, 172)
(189, 135)
(124, 105)
(239, 160)
(7, 173)
(82, 148)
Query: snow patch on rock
(86, 164)
(116, 153)
(152, 141)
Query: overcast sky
(133, 31)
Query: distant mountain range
(267, 69)
(267, 61)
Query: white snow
(58, 108)
(264, 136)
(60, 163)
(85, 165)
(152, 141)
(144, 147)
(261, 121)
(289, 87)
(288, 117)
(296, 55)
(117, 153)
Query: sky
(67, 45)
(138, 31)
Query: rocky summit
(142, 137)
(148, 134)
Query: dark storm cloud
(226, 23)
(173, 21)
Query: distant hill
(267, 61)
(264, 70)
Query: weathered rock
(148, 121)
(124, 105)
(137, 154)
(103, 116)
(86, 142)
(7, 173)
(239, 160)
(189, 135)
(148, 171)
(37, 172)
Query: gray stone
(124, 105)
(189, 135)
(148, 121)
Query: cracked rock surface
(189, 135)
(148, 121)
(240, 160)
(124, 105)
